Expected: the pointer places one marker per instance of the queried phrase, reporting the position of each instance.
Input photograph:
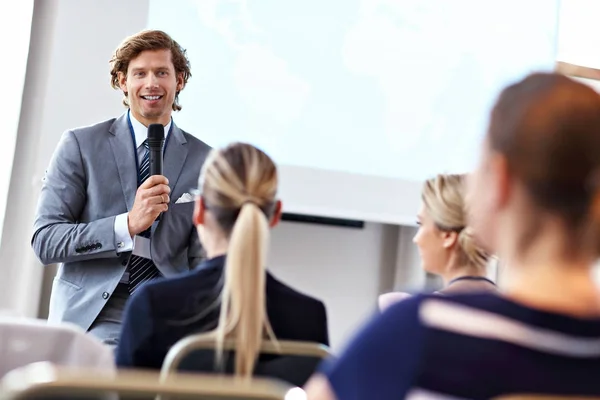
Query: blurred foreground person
(536, 203)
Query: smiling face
(151, 85)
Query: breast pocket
(171, 241)
(181, 216)
(182, 210)
(176, 225)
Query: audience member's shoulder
(407, 305)
(424, 303)
(487, 300)
(184, 283)
(161, 285)
(400, 318)
(387, 299)
(429, 309)
(168, 296)
(275, 285)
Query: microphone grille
(156, 132)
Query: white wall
(594, 84)
(66, 85)
(14, 23)
(346, 267)
(578, 32)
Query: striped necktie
(142, 269)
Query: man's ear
(123, 82)
(450, 239)
(199, 209)
(180, 83)
(276, 214)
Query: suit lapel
(174, 156)
(123, 152)
(122, 147)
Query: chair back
(43, 381)
(290, 361)
(26, 340)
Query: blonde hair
(238, 186)
(444, 200)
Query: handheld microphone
(156, 139)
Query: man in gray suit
(98, 212)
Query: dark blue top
(164, 311)
(472, 346)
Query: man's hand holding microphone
(152, 197)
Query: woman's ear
(276, 214)
(450, 239)
(199, 208)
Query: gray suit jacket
(92, 178)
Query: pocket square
(185, 198)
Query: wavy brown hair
(132, 46)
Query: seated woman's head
(534, 195)
(238, 187)
(236, 207)
(445, 243)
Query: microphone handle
(156, 161)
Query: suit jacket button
(105, 295)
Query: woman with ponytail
(445, 242)
(230, 294)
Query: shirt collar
(141, 132)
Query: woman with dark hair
(534, 201)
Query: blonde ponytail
(239, 184)
(473, 254)
(243, 309)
